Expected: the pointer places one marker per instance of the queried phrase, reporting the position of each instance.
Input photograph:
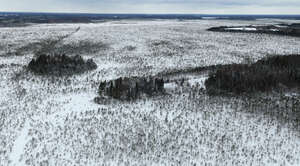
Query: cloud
(156, 6)
(195, 2)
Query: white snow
(242, 29)
(74, 103)
(209, 18)
(170, 86)
(198, 82)
(67, 128)
(274, 30)
(19, 145)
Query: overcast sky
(155, 6)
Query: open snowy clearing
(54, 121)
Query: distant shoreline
(21, 19)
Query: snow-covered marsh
(54, 121)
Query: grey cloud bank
(156, 6)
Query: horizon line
(111, 13)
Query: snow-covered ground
(241, 29)
(54, 121)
